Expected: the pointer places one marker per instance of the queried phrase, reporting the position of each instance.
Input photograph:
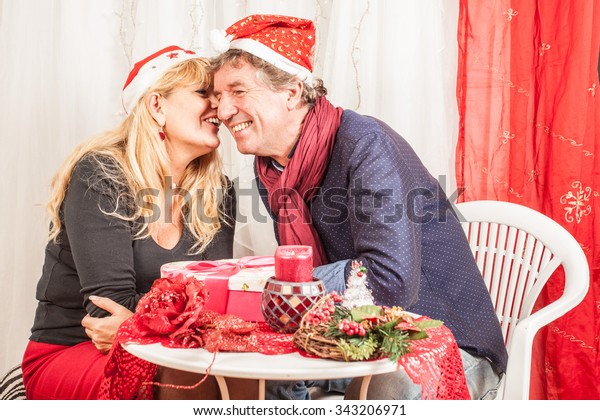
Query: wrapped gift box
(247, 276)
(215, 281)
(245, 292)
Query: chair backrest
(517, 249)
(11, 385)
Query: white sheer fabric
(64, 62)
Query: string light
(196, 10)
(355, 49)
(319, 17)
(127, 15)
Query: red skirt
(55, 372)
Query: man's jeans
(481, 378)
(288, 390)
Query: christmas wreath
(352, 327)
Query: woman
(148, 192)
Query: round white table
(259, 366)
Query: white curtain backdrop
(63, 63)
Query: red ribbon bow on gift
(229, 268)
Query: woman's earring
(161, 133)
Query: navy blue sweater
(380, 205)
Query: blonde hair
(132, 158)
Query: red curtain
(528, 97)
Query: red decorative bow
(226, 269)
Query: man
(353, 189)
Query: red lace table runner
(436, 365)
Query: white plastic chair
(517, 249)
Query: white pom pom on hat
(146, 72)
(220, 40)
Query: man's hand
(102, 331)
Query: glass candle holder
(284, 303)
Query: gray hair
(270, 75)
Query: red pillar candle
(293, 263)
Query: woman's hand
(102, 331)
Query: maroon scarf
(290, 190)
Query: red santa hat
(286, 42)
(147, 72)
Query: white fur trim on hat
(262, 51)
(149, 73)
(282, 63)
